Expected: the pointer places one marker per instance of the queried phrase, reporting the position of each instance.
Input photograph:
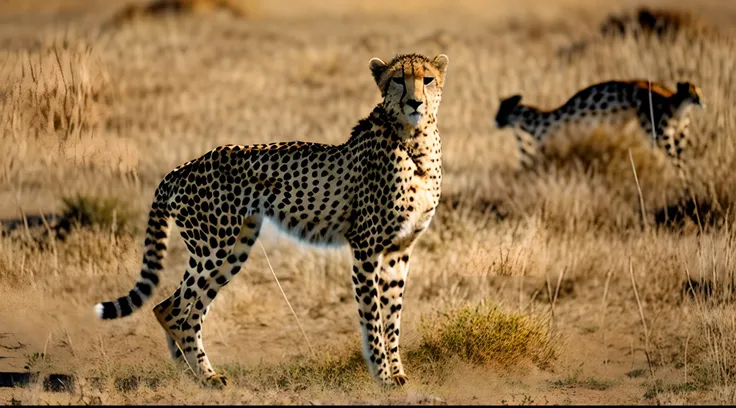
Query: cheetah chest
(422, 195)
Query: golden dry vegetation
(548, 286)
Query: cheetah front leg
(365, 282)
(674, 140)
(392, 282)
(529, 149)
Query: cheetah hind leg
(184, 322)
(174, 351)
(170, 319)
(168, 311)
(211, 284)
(175, 337)
(164, 314)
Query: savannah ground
(548, 287)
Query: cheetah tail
(154, 250)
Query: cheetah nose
(414, 103)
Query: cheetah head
(503, 116)
(690, 93)
(411, 86)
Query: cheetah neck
(422, 144)
(531, 120)
(678, 106)
(425, 149)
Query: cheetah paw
(219, 381)
(400, 379)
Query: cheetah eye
(428, 80)
(398, 80)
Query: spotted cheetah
(157, 8)
(662, 23)
(608, 103)
(375, 193)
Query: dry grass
(484, 335)
(104, 115)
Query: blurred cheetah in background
(377, 193)
(609, 103)
(662, 23)
(157, 8)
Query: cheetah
(608, 103)
(157, 8)
(664, 24)
(376, 193)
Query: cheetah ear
(440, 62)
(683, 87)
(378, 67)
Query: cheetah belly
(327, 228)
(308, 203)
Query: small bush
(485, 335)
(109, 215)
(86, 211)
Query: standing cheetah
(377, 193)
(610, 103)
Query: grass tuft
(591, 383)
(342, 369)
(106, 213)
(487, 336)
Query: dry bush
(662, 25)
(485, 335)
(105, 213)
(709, 290)
(108, 214)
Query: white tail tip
(98, 310)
